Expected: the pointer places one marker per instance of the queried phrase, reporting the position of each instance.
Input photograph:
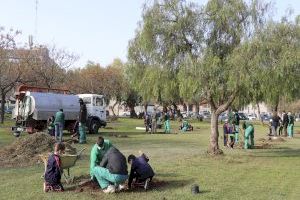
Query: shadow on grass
(287, 152)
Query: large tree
(210, 42)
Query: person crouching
(141, 172)
(53, 170)
(112, 172)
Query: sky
(95, 30)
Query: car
(126, 114)
(223, 117)
(252, 116)
(8, 110)
(243, 116)
(265, 117)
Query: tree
(49, 64)
(10, 64)
(211, 42)
(278, 55)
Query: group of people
(284, 124)
(154, 121)
(108, 168)
(231, 131)
(56, 124)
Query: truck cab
(95, 105)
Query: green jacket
(97, 155)
(51, 126)
(230, 117)
(59, 117)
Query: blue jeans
(105, 178)
(59, 128)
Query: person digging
(141, 172)
(112, 172)
(249, 135)
(98, 151)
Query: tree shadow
(287, 152)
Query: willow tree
(211, 40)
(166, 34)
(279, 53)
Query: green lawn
(181, 161)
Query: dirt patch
(297, 132)
(25, 151)
(85, 184)
(260, 143)
(276, 139)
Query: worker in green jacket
(167, 123)
(97, 153)
(59, 123)
(290, 128)
(249, 134)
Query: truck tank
(40, 106)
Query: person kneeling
(53, 171)
(141, 171)
(112, 172)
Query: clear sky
(96, 30)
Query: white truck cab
(96, 112)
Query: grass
(181, 161)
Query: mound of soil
(25, 151)
(276, 139)
(84, 183)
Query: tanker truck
(34, 105)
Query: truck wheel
(94, 127)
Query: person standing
(167, 123)
(236, 125)
(275, 123)
(82, 122)
(290, 125)
(59, 123)
(285, 121)
(249, 135)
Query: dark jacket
(82, 113)
(285, 120)
(115, 162)
(53, 173)
(275, 121)
(236, 119)
(140, 169)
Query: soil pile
(25, 151)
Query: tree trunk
(132, 112)
(214, 137)
(145, 107)
(187, 109)
(197, 108)
(2, 106)
(184, 107)
(258, 110)
(113, 108)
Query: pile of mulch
(25, 151)
(260, 143)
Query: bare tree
(50, 64)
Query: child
(51, 127)
(53, 171)
(228, 135)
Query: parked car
(223, 117)
(243, 116)
(8, 110)
(265, 117)
(252, 116)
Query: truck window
(98, 101)
(87, 100)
